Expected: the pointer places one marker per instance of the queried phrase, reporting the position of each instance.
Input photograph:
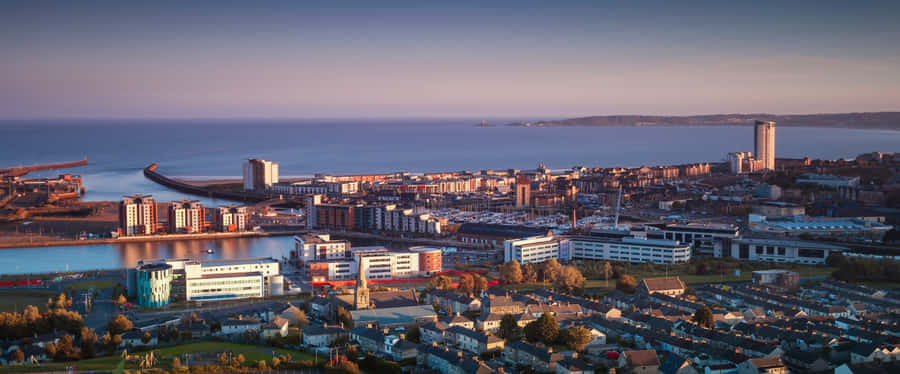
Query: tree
(440, 282)
(146, 337)
(509, 328)
(512, 272)
(65, 349)
(176, 363)
(545, 329)
(551, 270)
(121, 300)
(18, 355)
(119, 324)
(50, 349)
(261, 364)
(110, 342)
(345, 318)
(626, 284)
(436, 306)
(300, 316)
(702, 269)
(88, 342)
(466, 284)
(704, 317)
(414, 334)
(578, 337)
(480, 283)
(529, 273)
(569, 279)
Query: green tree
(545, 329)
(704, 317)
(414, 334)
(512, 272)
(509, 328)
(626, 284)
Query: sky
(518, 59)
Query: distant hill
(873, 120)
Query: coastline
(145, 239)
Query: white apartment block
(185, 216)
(317, 247)
(381, 263)
(232, 218)
(137, 215)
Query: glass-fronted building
(154, 284)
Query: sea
(118, 150)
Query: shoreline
(146, 239)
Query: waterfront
(215, 150)
(122, 255)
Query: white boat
(210, 251)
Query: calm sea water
(118, 150)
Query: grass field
(97, 285)
(15, 301)
(252, 353)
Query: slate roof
(662, 284)
(646, 357)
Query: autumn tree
(466, 284)
(146, 337)
(626, 284)
(18, 355)
(509, 328)
(578, 337)
(176, 363)
(121, 300)
(300, 316)
(119, 324)
(88, 342)
(551, 270)
(704, 317)
(569, 279)
(344, 317)
(480, 283)
(529, 273)
(440, 282)
(512, 272)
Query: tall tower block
(764, 143)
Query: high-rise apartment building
(523, 191)
(260, 174)
(186, 216)
(232, 218)
(137, 215)
(764, 143)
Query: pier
(19, 171)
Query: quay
(19, 171)
(239, 196)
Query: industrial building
(156, 282)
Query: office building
(260, 174)
(380, 263)
(190, 280)
(764, 143)
(137, 215)
(701, 237)
(232, 218)
(782, 250)
(186, 216)
(628, 249)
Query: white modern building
(832, 181)
(629, 249)
(701, 236)
(260, 174)
(213, 280)
(782, 250)
(764, 143)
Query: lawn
(252, 353)
(15, 301)
(97, 285)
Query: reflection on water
(116, 256)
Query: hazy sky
(463, 59)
